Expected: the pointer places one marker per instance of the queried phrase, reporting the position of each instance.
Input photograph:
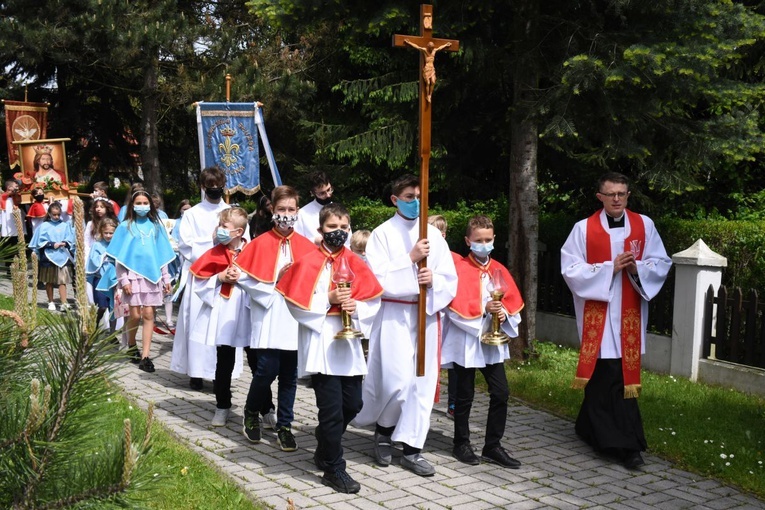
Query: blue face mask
(141, 210)
(223, 235)
(482, 250)
(409, 210)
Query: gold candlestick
(343, 276)
(497, 287)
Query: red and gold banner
(23, 121)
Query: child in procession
(196, 235)
(53, 242)
(470, 316)
(273, 342)
(220, 309)
(38, 210)
(100, 270)
(336, 366)
(142, 251)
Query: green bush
(741, 242)
(368, 214)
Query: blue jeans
(273, 363)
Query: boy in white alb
(272, 351)
(397, 401)
(221, 308)
(197, 235)
(336, 366)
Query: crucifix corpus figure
(428, 46)
(429, 69)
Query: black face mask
(335, 238)
(214, 193)
(323, 201)
(39, 198)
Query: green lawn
(179, 478)
(709, 430)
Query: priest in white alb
(614, 262)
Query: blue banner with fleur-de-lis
(228, 138)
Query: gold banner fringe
(632, 391)
(579, 383)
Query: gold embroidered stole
(595, 312)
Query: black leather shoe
(633, 460)
(498, 455)
(465, 454)
(195, 383)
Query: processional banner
(228, 138)
(23, 121)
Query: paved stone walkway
(559, 471)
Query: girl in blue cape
(100, 270)
(141, 251)
(53, 242)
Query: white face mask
(284, 221)
(482, 250)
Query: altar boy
(220, 307)
(336, 366)
(272, 350)
(470, 316)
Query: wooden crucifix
(428, 46)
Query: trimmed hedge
(741, 242)
(368, 214)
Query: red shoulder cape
(4, 198)
(467, 303)
(37, 210)
(213, 261)
(299, 282)
(260, 257)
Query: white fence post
(696, 269)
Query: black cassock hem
(607, 421)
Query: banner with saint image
(24, 121)
(228, 138)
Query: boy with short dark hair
(197, 235)
(336, 365)
(395, 400)
(470, 316)
(272, 350)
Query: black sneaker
(341, 481)
(251, 426)
(133, 354)
(146, 365)
(286, 440)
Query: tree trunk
(523, 198)
(149, 132)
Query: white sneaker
(221, 417)
(64, 307)
(269, 420)
(51, 306)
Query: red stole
(213, 261)
(595, 312)
(260, 258)
(299, 282)
(468, 303)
